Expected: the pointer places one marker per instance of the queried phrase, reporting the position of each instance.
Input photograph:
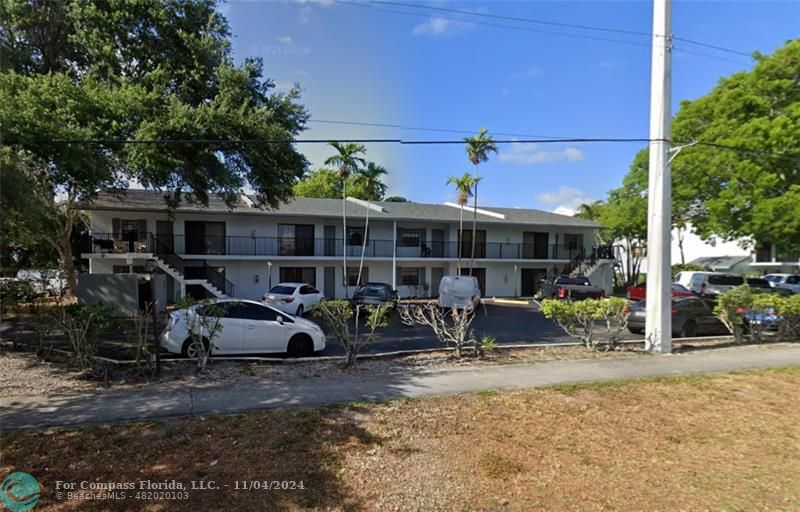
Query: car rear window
(725, 280)
(758, 283)
(458, 286)
(283, 290)
(371, 290)
(582, 281)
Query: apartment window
(306, 275)
(352, 276)
(409, 237)
(409, 276)
(296, 239)
(355, 235)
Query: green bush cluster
(733, 306)
(582, 319)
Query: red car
(639, 291)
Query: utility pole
(658, 333)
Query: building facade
(244, 250)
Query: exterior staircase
(175, 266)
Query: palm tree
(349, 160)
(591, 211)
(478, 148)
(464, 186)
(370, 178)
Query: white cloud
(285, 39)
(436, 26)
(529, 154)
(305, 14)
(565, 199)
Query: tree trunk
(68, 266)
(474, 222)
(680, 245)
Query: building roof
(717, 263)
(148, 200)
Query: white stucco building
(241, 251)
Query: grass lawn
(721, 442)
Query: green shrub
(578, 318)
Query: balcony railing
(298, 247)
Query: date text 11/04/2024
(199, 485)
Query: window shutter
(398, 276)
(116, 228)
(364, 275)
(142, 229)
(421, 271)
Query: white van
(709, 283)
(461, 292)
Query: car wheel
(636, 330)
(299, 311)
(689, 329)
(190, 350)
(300, 346)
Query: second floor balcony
(210, 246)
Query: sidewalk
(161, 402)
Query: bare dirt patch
(722, 442)
(25, 374)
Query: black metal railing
(173, 245)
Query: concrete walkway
(166, 401)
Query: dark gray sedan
(691, 316)
(374, 294)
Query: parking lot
(508, 324)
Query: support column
(394, 255)
(658, 335)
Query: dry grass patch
(722, 442)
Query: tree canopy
(325, 183)
(753, 193)
(76, 78)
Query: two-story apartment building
(242, 251)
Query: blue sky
(436, 70)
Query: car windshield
(679, 288)
(725, 280)
(371, 290)
(582, 281)
(283, 290)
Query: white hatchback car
(292, 298)
(247, 327)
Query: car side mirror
(279, 319)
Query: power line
(515, 18)
(421, 129)
(498, 25)
(573, 140)
(519, 19)
(713, 46)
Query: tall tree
(478, 148)
(325, 183)
(349, 158)
(753, 193)
(145, 72)
(592, 211)
(464, 186)
(370, 178)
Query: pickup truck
(569, 287)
